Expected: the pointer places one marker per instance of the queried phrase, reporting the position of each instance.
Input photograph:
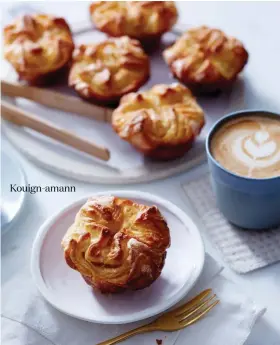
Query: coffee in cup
(248, 146)
(243, 151)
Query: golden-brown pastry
(144, 20)
(206, 59)
(117, 244)
(106, 71)
(161, 122)
(38, 46)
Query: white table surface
(243, 19)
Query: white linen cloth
(30, 320)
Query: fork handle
(139, 330)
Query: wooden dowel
(57, 100)
(26, 119)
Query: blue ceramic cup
(249, 203)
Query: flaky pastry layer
(117, 244)
(105, 71)
(161, 122)
(204, 56)
(37, 45)
(137, 19)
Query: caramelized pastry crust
(117, 244)
(161, 122)
(37, 46)
(138, 19)
(105, 71)
(203, 57)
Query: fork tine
(189, 322)
(193, 302)
(199, 306)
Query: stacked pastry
(117, 244)
(106, 71)
(206, 59)
(146, 21)
(38, 47)
(161, 122)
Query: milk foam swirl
(249, 146)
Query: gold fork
(176, 319)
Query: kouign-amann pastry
(117, 244)
(161, 122)
(206, 58)
(144, 20)
(38, 46)
(106, 71)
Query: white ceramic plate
(66, 290)
(11, 202)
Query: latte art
(259, 146)
(249, 146)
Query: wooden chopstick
(27, 119)
(57, 100)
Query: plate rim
(6, 227)
(114, 178)
(186, 287)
